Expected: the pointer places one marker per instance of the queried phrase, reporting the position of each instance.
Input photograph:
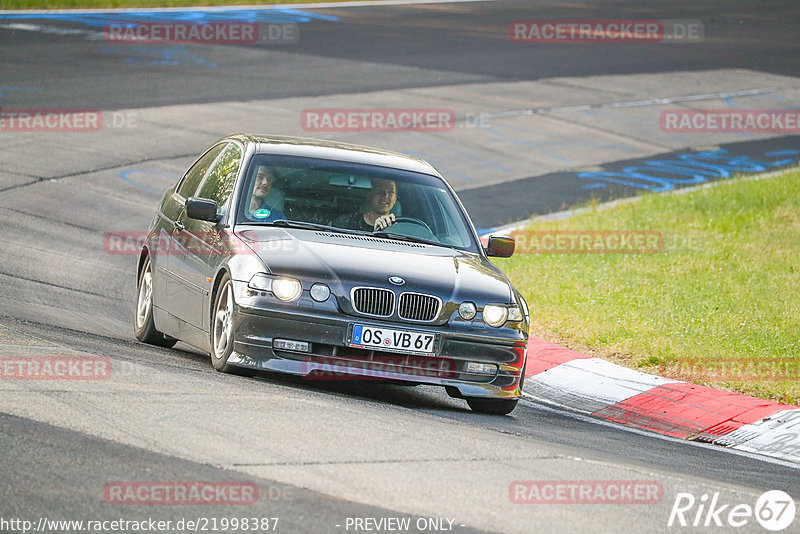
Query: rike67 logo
(774, 510)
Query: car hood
(344, 261)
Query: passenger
(258, 208)
(375, 213)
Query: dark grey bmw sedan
(331, 261)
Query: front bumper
(329, 357)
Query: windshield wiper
(285, 223)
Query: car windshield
(348, 195)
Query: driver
(259, 207)
(375, 214)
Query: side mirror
(500, 247)
(202, 209)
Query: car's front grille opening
(419, 307)
(373, 301)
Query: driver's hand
(383, 222)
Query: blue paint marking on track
(22, 89)
(730, 104)
(777, 153)
(18, 89)
(125, 175)
(663, 175)
(300, 13)
(189, 15)
(171, 55)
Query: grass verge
(101, 4)
(719, 305)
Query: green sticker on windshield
(261, 214)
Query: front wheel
(222, 326)
(222, 330)
(144, 325)
(492, 406)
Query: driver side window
(219, 181)
(194, 175)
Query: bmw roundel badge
(396, 280)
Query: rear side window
(195, 175)
(218, 184)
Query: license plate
(388, 339)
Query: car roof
(325, 149)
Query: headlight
(494, 315)
(287, 289)
(261, 282)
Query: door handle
(179, 226)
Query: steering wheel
(413, 220)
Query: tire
(143, 325)
(222, 329)
(492, 406)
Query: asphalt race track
(539, 127)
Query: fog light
(288, 344)
(320, 292)
(481, 368)
(467, 311)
